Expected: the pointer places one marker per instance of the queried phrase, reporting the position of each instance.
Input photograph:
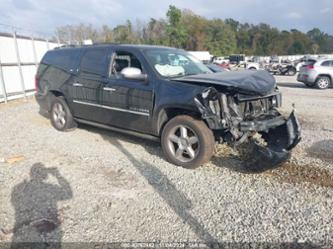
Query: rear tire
(60, 115)
(187, 142)
(323, 82)
(291, 71)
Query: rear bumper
(306, 78)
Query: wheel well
(325, 75)
(167, 114)
(56, 93)
(51, 95)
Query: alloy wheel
(59, 115)
(183, 143)
(323, 83)
(291, 72)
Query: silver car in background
(317, 74)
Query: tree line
(187, 30)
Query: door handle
(109, 89)
(77, 84)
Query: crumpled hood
(247, 81)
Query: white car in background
(252, 66)
(220, 60)
(318, 74)
(203, 56)
(254, 63)
(304, 62)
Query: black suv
(164, 94)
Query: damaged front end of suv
(240, 106)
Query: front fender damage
(278, 135)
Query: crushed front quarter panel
(280, 134)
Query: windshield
(173, 63)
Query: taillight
(310, 67)
(36, 82)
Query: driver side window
(121, 60)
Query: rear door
(86, 86)
(128, 103)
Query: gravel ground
(95, 185)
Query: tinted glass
(64, 59)
(326, 64)
(236, 58)
(312, 62)
(309, 62)
(95, 61)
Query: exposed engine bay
(237, 118)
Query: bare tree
(76, 34)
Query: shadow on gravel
(37, 218)
(234, 163)
(322, 150)
(231, 162)
(175, 199)
(178, 202)
(109, 134)
(224, 160)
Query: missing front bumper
(279, 140)
(285, 136)
(280, 135)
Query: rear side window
(64, 59)
(95, 62)
(326, 64)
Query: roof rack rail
(67, 46)
(86, 45)
(105, 43)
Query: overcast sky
(45, 15)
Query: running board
(112, 128)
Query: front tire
(60, 115)
(323, 82)
(187, 142)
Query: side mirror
(133, 73)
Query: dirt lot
(103, 186)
